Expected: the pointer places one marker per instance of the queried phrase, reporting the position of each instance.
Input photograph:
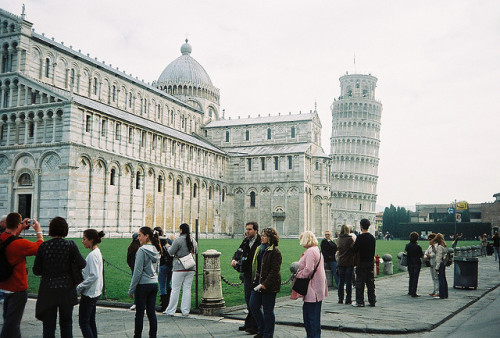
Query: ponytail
(153, 237)
(185, 230)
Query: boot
(163, 303)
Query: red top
(16, 253)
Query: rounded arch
(44, 156)
(21, 155)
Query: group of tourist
(63, 271)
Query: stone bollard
(478, 250)
(212, 301)
(388, 268)
(401, 267)
(468, 252)
(458, 252)
(329, 275)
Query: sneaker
(358, 305)
(133, 307)
(436, 297)
(415, 295)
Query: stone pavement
(395, 313)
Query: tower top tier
(358, 85)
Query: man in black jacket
(365, 248)
(242, 261)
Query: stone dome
(185, 70)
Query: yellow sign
(462, 205)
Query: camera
(30, 222)
(240, 258)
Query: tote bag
(187, 261)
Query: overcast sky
(437, 64)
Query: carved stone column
(212, 302)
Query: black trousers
(13, 309)
(65, 321)
(413, 272)
(364, 276)
(86, 316)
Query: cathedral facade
(83, 140)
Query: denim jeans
(345, 277)
(165, 279)
(86, 316)
(414, 272)
(13, 308)
(145, 299)
(249, 320)
(495, 251)
(333, 267)
(311, 313)
(264, 317)
(443, 284)
(65, 321)
(184, 279)
(364, 276)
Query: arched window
(292, 133)
(112, 177)
(160, 183)
(145, 106)
(252, 199)
(178, 192)
(223, 195)
(195, 190)
(47, 67)
(159, 111)
(138, 180)
(268, 133)
(72, 77)
(25, 180)
(95, 86)
(114, 93)
(210, 193)
(130, 100)
(227, 135)
(247, 135)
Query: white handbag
(187, 261)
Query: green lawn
(117, 276)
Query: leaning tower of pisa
(355, 143)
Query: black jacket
(328, 249)
(245, 254)
(414, 253)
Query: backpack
(5, 268)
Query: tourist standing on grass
(266, 278)
(345, 263)
(243, 257)
(430, 254)
(414, 254)
(91, 287)
(441, 254)
(15, 286)
(55, 261)
(329, 249)
(181, 277)
(365, 247)
(496, 244)
(131, 251)
(144, 284)
(165, 274)
(311, 263)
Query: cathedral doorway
(24, 205)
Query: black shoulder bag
(300, 285)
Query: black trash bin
(465, 272)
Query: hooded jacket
(147, 261)
(345, 251)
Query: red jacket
(16, 253)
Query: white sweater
(92, 275)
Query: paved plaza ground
(464, 313)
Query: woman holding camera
(54, 261)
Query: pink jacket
(318, 289)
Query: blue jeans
(311, 313)
(333, 267)
(145, 299)
(86, 316)
(165, 279)
(13, 309)
(495, 251)
(265, 316)
(345, 277)
(443, 284)
(65, 320)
